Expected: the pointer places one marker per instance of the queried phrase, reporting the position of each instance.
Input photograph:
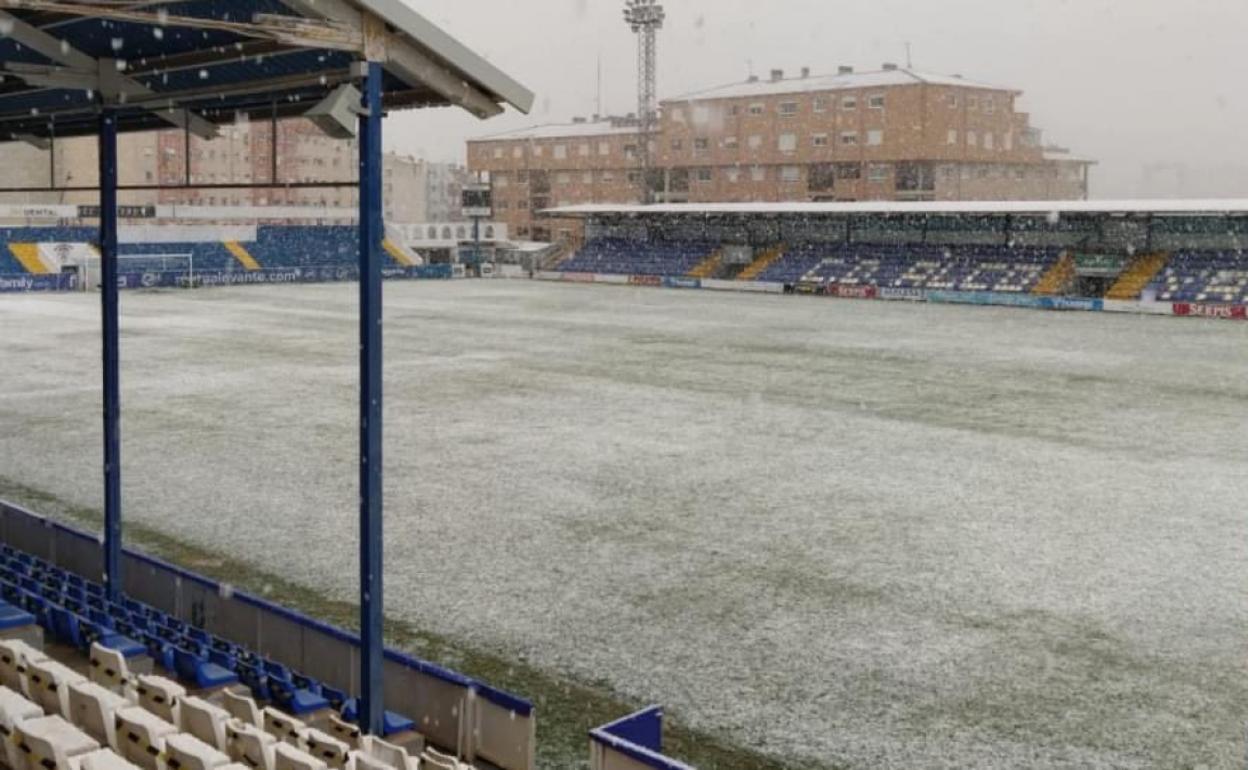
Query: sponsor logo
(851, 292)
(676, 282)
(577, 277)
(21, 283)
(1203, 310)
(910, 295)
(645, 280)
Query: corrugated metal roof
(1237, 207)
(221, 72)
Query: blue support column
(112, 375)
(372, 696)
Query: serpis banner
(1202, 310)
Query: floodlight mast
(645, 18)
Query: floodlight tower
(645, 18)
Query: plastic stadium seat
(49, 682)
(93, 708)
(14, 709)
(243, 708)
(283, 727)
(392, 724)
(15, 656)
(297, 701)
(434, 758)
(13, 619)
(141, 736)
(326, 748)
(390, 754)
(186, 752)
(203, 674)
(286, 757)
(362, 761)
(256, 680)
(101, 759)
(249, 745)
(48, 743)
(160, 696)
(204, 720)
(108, 667)
(347, 732)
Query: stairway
(1139, 275)
(707, 267)
(761, 263)
(1058, 278)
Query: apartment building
(891, 134)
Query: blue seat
(337, 698)
(256, 680)
(14, 617)
(64, 626)
(125, 645)
(201, 672)
(391, 724)
(295, 700)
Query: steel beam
(112, 374)
(372, 649)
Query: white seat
(392, 755)
(439, 760)
(347, 732)
(326, 748)
(141, 736)
(160, 696)
(186, 752)
(14, 709)
(49, 682)
(287, 757)
(361, 761)
(47, 743)
(93, 707)
(100, 759)
(109, 668)
(15, 655)
(242, 707)
(283, 727)
(205, 721)
(249, 745)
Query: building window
(1020, 174)
(972, 139)
(498, 153)
(730, 143)
(972, 102)
(849, 102)
(879, 172)
(608, 177)
(758, 173)
(952, 100)
(517, 152)
(537, 151)
(756, 141)
(820, 104)
(677, 145)
(500, 180)
(1007, 141)
(701, 144)
(604, 148)
(820, 140)
(634, 177)
(756, 109)
(876, 101)
(563, 177)
(849, 138)
(990, 141)
(990, 105)
(952, 138)
(733, 174)
(787, 143)
(587, 177)
(788, 109)
(790, 174)
(630, 151)
(561, 152)
(678, 115)
(706, 174)
(875, 137)
(701, 115)
(523, 205)
(735, 110)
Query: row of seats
(634, 257)
(964, 268)
(1203, 276)
(76, 612)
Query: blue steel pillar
(372, 701)
(112, 376)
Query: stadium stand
(157, 721)
(1203, 276)
(633, 257)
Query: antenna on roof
(599, 110)
(909, 63)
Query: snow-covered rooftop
(1209, 206)
(900, 76)
(562, 130)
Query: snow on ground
(885, 534)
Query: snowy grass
(876, 534)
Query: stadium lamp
(337, 115)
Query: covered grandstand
(1182, 257)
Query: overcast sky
(1129, 82)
